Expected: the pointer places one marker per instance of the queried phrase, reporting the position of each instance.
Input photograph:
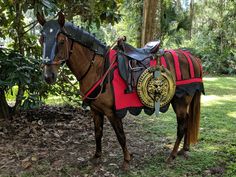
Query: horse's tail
(194, 119)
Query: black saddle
(133, 61)
(140, 53)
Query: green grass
(217, 143)
(51, 100)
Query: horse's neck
(79, 63)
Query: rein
(99, 83)
(91, 63)
(71, 50)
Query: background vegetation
(59, 141)
(206, 27)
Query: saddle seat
(133, 61)
(141, 54)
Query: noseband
(69, 51)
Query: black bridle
(69, 51)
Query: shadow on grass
(214, 154)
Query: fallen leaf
(34, 158)
(26, 163)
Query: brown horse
(85, 57)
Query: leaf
(34, 158)
(26, 163)
(48, 4)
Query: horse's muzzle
(50, 78)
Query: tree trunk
(191, 15)
(4, 108)
(20, 38)
(19, 97)
(19, 27)
(158, 19)
(151, 21)
(179, 6)
(139, 30)
(221, 32)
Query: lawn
(57, 141)
(215, 153)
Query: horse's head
(55, 46)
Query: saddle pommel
(152, 46)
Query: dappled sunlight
(222, 130)
(52, 100)
(209, 147)
(224, 86)
(210, 100)
(210, 79)
(220, 85)
(232, 114)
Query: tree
(191, 16)
(13, 27)
(4, 109)
(151, 26)
(214, 29)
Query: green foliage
(213, 33)
(67, 88)
(90, 12)
(168, 16)
(21, 37)
(214, 36)
(15, 70)
(129, 24)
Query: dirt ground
(59, 141)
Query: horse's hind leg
(180, 106)
(98, 119)
(186, 144)
(118, 127)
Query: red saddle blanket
(130, 101)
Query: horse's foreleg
(98, 119)
(118, 127)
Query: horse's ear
(61, 19)
(41, 19)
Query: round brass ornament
(151, 89)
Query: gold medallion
(151, 89)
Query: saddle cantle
(133, 61)
(141, 54)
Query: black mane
(84, 38)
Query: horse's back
(183, 65)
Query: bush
(16, 70)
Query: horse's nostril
(47, 79)
(50, 78)
(53, 76)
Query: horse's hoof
(170, 159)
(125, 166)
(95, 160)
(97, 155)
(183, 153)
(131, 156)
